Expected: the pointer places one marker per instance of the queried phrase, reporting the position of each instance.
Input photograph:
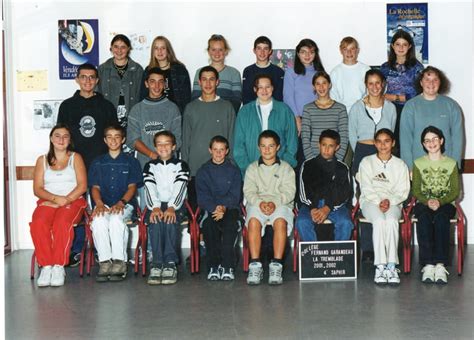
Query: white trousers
(110, 233)
(385, 232)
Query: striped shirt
(315, 120)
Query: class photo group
(270, 149)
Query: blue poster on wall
(78, 44)
(412, 18)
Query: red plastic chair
(407, 235)
(82, 257)
(141, 243)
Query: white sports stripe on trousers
(110, 233)
(385, 232)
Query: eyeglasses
(83, 77)
(432, 140)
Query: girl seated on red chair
(384, 185)
(435, 186)
(59, 182)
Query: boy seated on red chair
(325, 191)
(218, 188)
(113, 179)
(166, 180)
(269, 189)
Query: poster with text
(78, 43)
(412, 18)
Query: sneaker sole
(57, 285)
(44, 285)
(429, 281)
(102, 278)
(154, 282)
(116, 278)
(275, 283)
(441, 282)
(381, 283)
(168, 281)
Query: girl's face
(307, 55)
(264, 90)
(322, 86)
(401, 47)
(432, 142)
(384, 144)
(119, 50)
(159, 51)
(217, 51)
(430, 83)
(375, 86)
(60, 139)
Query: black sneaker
(74, 260)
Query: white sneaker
(255, 273)
(392, 276)
(441, 274)
(57, 276)
(428, 274)
(44, 279)
(380, 277)
(275, 269)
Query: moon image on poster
(72, 56)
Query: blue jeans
(340, 218)
(163, 240)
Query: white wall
(33, 27)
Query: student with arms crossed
(166, 180)
(218, 186)
(113, 179)
(325, 191)
(269, 189)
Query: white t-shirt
(375, 113)
(265, 110)
(348, 83)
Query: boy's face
(114, 139)
(328, 147)
(263, 52)
(350, 54)
(218, 152)
(208, 83)
(164, 147)
(155, 85)
(268, 149)
(87, 80)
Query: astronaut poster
(78, 43)
(412, 18)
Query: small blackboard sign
(331, 260)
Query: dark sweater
(218, 184)
(325, 179)
(87, 118)
(248, 77)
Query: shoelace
(275, 270)
(254, 272)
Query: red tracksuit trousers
(52, 231)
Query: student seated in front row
(113, 179)
(325, 191)
(218, 187)
(166, 179)
(269, 188)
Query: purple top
(298, 89)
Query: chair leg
(296, 239)
(196, 244)
(192, 245)
(33, 265)
(460, 234)
(245, 250)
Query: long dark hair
(411, 57)
(317, 64)
(51, 157)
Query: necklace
(384, 162)
(164, 67)
(121, 69)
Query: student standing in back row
(262, 47)
(230, 85)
